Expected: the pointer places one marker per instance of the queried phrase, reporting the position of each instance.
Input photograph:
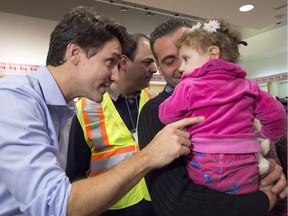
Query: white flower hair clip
(197, 26)
(212, 26)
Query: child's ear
(214, 52)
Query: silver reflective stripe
(111, 138)
(106, 163)
(92, 108)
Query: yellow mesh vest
(110, 141)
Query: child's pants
(229, 173)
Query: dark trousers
(143, 208)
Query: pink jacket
(229, 102)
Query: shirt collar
(114, 95)
(169, 89)
(51, 91)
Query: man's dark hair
(85, 27)
(168, 28)
(135, 38)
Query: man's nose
(153, 68)
(114, 74)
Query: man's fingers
(274, 173)
(182, 134)
(183, 123)
(280, 186)
(272, 197)
(284, 193)
(171, 142)
(276, 178)
(185, 142)
(185, 150)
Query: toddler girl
(225, 147)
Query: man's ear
(214, 52)
(123, 62)
(73, 53)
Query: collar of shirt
(114, 95)
(169, 89)
(128, 111)
(50, 89)
(54, 98)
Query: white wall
(266, 53)
(276, 88)
(279, 88)
(267, 66)
(24, 40)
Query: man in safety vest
(104, 134)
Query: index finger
(183, 123)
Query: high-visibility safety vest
(110, 141)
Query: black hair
(135, 38)
(86, 28)
(168, 28)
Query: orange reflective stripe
(111, 153)
(83, 102)
(87, 126)
(86, 119)
(95, 173)
(103, 128)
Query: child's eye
(185, 58)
